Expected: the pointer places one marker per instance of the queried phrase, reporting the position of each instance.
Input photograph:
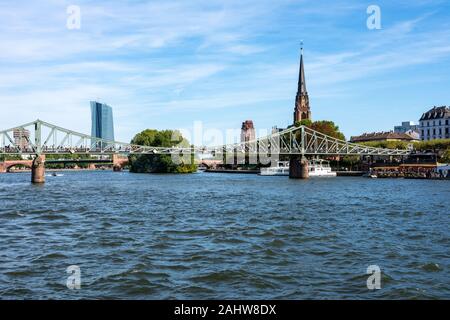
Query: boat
(281, 169)
(316, 167)
(320, 168)
(54, 174)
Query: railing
(40, 137)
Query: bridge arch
(210, 163)
(7, 165)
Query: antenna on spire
(301, 46)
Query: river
(222, 236)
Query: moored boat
(320, 168)
(281, 169)
(316, 167)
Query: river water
(208, 235)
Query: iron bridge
(45, 138)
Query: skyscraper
(302, 110)
(102, 121)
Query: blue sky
(166, 64)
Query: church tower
(301, 110)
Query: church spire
(302, 110)
(301, 74)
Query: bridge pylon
(119, 162)
(298, 164)
(298, 168)
(38, 170)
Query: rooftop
(436, 113)
(247, 124)
(384, 135)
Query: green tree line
(439, 146)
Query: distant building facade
(406, 126)
(435, 124)
(21, 138)
(302, 110)
(382, 136)
(102, 121)
(247, 131)
(275, 129)
(410, 128)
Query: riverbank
(232, 171)
(350, 173)
(338, 173)
(59, 170)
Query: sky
(167, 64)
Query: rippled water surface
(205, 236)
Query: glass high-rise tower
(102, 121)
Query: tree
(323, 126)
(67, 157)
(446, 156)
(305, 122)
(5, 157)
(441, 147)
(402, 145)
(159, 163)
(434, 145)
(350, 161)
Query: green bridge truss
(40, 137)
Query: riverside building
(435, 124)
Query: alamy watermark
(74, 17)
(231, 146)
(374, 19)
(374, 280)
(74, 279)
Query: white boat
(282, 169)
(316, 167)
(54, 174)
(320, 168)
